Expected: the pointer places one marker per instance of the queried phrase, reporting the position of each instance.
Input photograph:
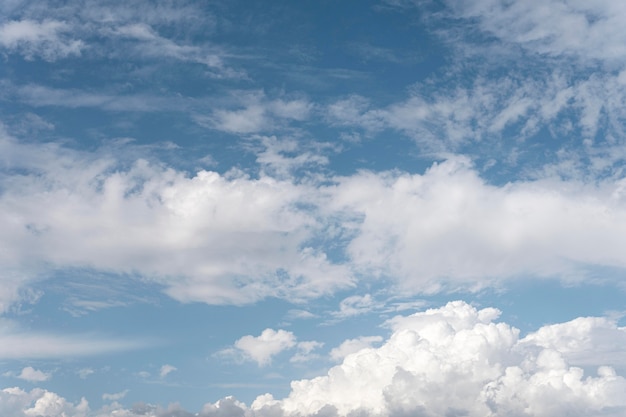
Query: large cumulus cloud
(450, 361)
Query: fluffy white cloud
(14, 402)
(234, 239)
(34, 375)
(448, 228)
(211, 237)
(453, 360)
(269, 343)
(456, 360)
(353, 345)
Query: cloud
(166, 369)
(449, 229)
(588, 31)
(262, 348)
(353, 345)
(355, 305)
(456, 360)
(45, 39)
(305, 350)
(17, 343)
(257, 113)
(252, 244)
(452, 360)
(15, 402)
(85, 372)
(31, 374)
(115, 397)
(233, 239)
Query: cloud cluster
(230, 238)
(455, 360)
(261, 349)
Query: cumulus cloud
(453, 360)
(262, 348)
(211, 237)
(305, 351)
(229, 238)
(457, 360)
(448, 228)
(31, 374)
(353, 345)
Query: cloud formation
(270, 342)
(452, 360)
(34, 375)
(233, 239)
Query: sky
(330, 208)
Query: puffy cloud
(211, 237)
(448, 228)
(453, 360)
(167, 369)
(228, 238)
(353, 345)
(45, 39)
(34, 375)
(269, 343)
(305, 350)
(15, 402)
(355, 305)
(456, 360)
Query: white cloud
(14, 402)
(355, 305)
(455, 360)
(448, 228)
(305, 351)
(236, 239)
(262, 348)
(17, 343)
(586, 30)
(167, 369)
(353, 345)
(452, 360)
(256, 113)
(115, 397)
(31, 374)
(45, 39)
(85, 372)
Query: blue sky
(271, 209)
